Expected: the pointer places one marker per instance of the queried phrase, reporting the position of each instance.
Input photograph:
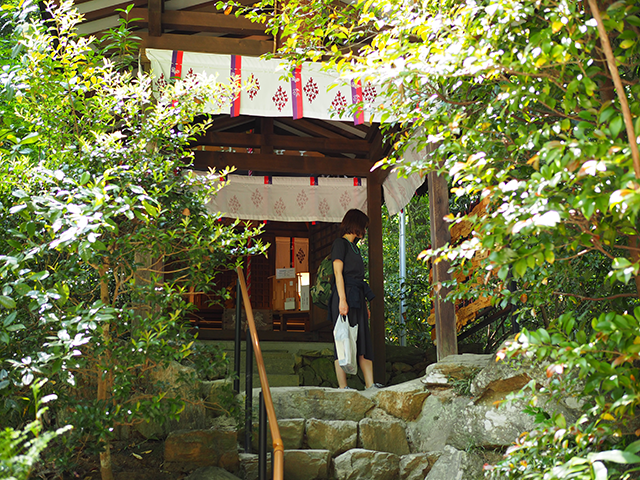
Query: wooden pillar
(446, 335)
(376, 275)
(155, 8)
(266, 129)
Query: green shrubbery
(104, 231)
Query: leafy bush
(106, 231)
(599, 372)
(20, 449)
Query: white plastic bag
(345, 337)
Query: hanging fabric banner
(236, 78)
(289, 199)
(356, 93)
(296, 93)
(267, 90)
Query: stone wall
(316, 367)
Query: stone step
(298, 465)
(338, 436)
(354, 464)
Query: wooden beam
(285, 142)
(446, 336)
(310, 128)
(154, 9)
(282, 163)
(224, 122)
(376, 276)
(200, 22)
(202, 44)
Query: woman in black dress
(350, 292)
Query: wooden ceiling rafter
(196, 21)
(204, 44)
(284, 142)
(282, 164)
(309, 127)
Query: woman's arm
(343, 307)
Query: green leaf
(615, 126)
(633, 447)
(520, 267)
(600, 471)
(7, 302)
(39, 276)
(8, 320)
(615, 456)
(627, 43)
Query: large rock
(360, 464)
(499, 378)
(456, 465)
(403, 401)
(188, 449)
(447, 419)
(455, 367)
(178, 381)
(211, 473)
(291, 432)
(306, 464)
(416, 466)
(218, 396)
(383, 436)
(337, 436)
(317, 402)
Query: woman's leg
(367, 370)
(342, 376)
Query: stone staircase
(443, 426)
(345, 434)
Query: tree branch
(622, 96)
(582, 297)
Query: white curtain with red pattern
(289, 199)
(267, 91)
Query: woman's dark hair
(354, 221)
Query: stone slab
(306, 464)
(361, 464)
(383, 436)
(337, 436)
(188, 449)
(319, 402)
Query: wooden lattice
(466, 312)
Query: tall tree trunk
(104, 377)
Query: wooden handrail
(278, 446)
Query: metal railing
(278, 446)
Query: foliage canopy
(534, 104)
(105, 231)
